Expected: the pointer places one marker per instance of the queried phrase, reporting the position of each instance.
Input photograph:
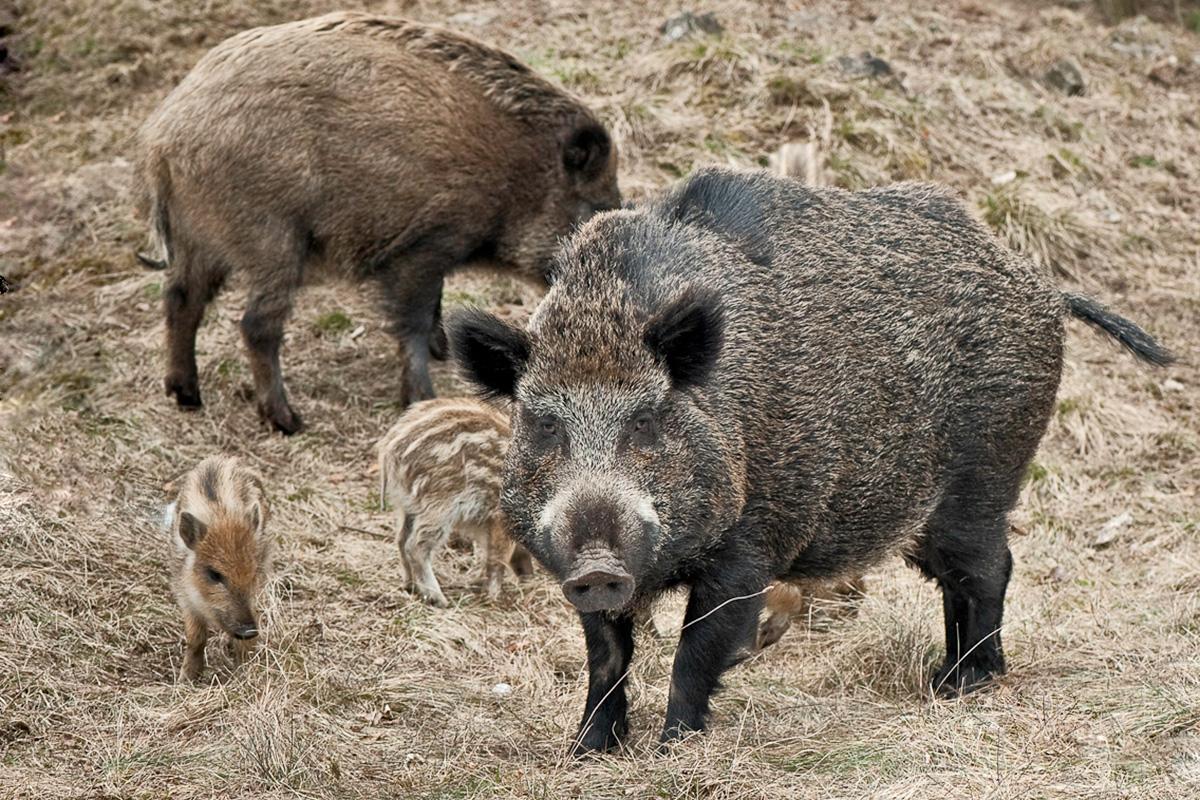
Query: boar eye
(643, 430)
(548, 426)
(214, 576)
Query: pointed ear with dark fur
(687, 336)
(490, 353)
(191, 530)
(586, 150)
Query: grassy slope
(364, 692)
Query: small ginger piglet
(222, 556)
(440, 468)
(791, 600)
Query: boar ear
(687, 336)
(490, 353)
(586, 150)
(191, 530)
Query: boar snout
(599, 582)
(245, 630)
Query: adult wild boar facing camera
(385, 151)
(750, 379)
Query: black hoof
(951, 681)
(596, 741)
(186, 393)
(284, 420)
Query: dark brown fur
(382, 150)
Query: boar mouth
(598, 582)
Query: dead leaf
(1109, 530)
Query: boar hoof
(186, 392)
(191, 670)
(595, 741)
(437, 600)
(772, 629)
(284, 420)
(951, 681)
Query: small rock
(502, 690)
(142, 306)
(684, 25)
(1109, 530)
(357, 332)
(1004, 178)
(1172, 385)
(864, 65)
(1112, 217)
(1066, 77)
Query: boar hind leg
(195, 633)
(521, 562)
(410, 304)
(970, 560)
(193, 283)
(422, 542)
(262, 331)
(718, 630)
(609, 651)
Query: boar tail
(159, 257)
(1133, 338)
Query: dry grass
(363, 692)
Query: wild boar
(749, 379)
(221, 556)
(380, 150)
(440, 467)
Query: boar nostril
(246, 632)
(592, 589)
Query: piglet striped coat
(440, 468)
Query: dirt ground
(361, 691)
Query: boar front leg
(609, 649)
(195, 633)
(717, 629)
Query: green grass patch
(334, 322)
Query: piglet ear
(491, 354)
(191, 530)
(258, 519)
(687, 336)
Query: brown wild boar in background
(382, 150)
(222, 556)
(440, 466)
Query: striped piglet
(440, 468)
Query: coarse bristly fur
(750, 379)
(440, 467)
(221, 556)
(386, 151)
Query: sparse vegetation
(361, 691)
